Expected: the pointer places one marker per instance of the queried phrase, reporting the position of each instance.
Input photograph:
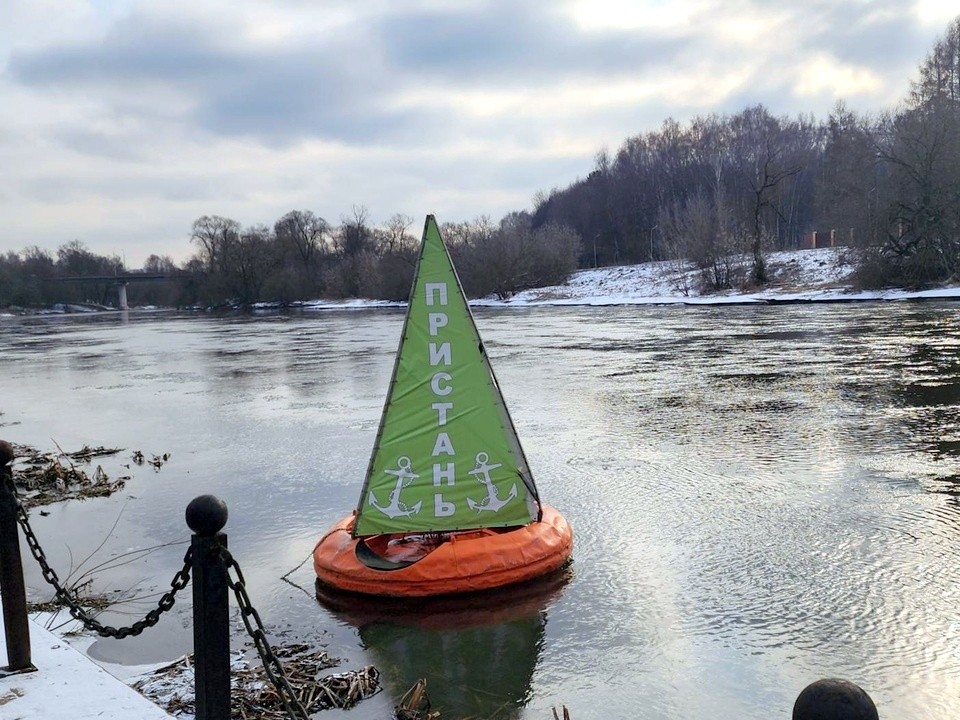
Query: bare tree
(918, 149)
(852, 184)
(306, 234)
(921, 149)
(355, 235)
(695, 231)
(762, 164)
(248, 263)
(159, 264)
(513, 256)
(74, 258)
(396, 236)
(214, 234)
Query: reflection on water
(761, 496)
(470, 669)
(478, 652)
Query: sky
(123, 121)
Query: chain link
(179, 582)
(251, 620)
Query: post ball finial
(6, 453)
(834, 699)
(206, 515)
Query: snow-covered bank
(68, 685)
(821, 275)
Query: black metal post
(206, 515)
(16, 627)
(834, 699)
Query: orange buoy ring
(442, 563)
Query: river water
(761, 496)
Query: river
(761, 496)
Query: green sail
(447, 456)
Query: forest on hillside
(719, 192)
(722, 191)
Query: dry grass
(43, 478)
(251, 692)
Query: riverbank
(822, 275)
(68, 685)
(799, 276)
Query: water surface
(761, 496)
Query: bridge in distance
(119, 281)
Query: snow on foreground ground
(821, 275)
(68, 686)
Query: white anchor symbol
(396, 508)
(492, 501)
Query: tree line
(301, 257)
(720, 192)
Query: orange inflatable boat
(448, 504)
(419, 565)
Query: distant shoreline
(812, 298)
(814, 276)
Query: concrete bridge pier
(122, 296)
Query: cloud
(164, 110)
(508, 43)
(257, 74)
(277, 92)
(822, 73)
(345, 86)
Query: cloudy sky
(122, 121)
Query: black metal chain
(179, 582)
(271, 664)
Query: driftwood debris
(43, 478)
(251, 693)
(415, 704)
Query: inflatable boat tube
(442, 563)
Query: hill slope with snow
(821, 275)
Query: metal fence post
(834, 699)
(206, 515)
(16, 627)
